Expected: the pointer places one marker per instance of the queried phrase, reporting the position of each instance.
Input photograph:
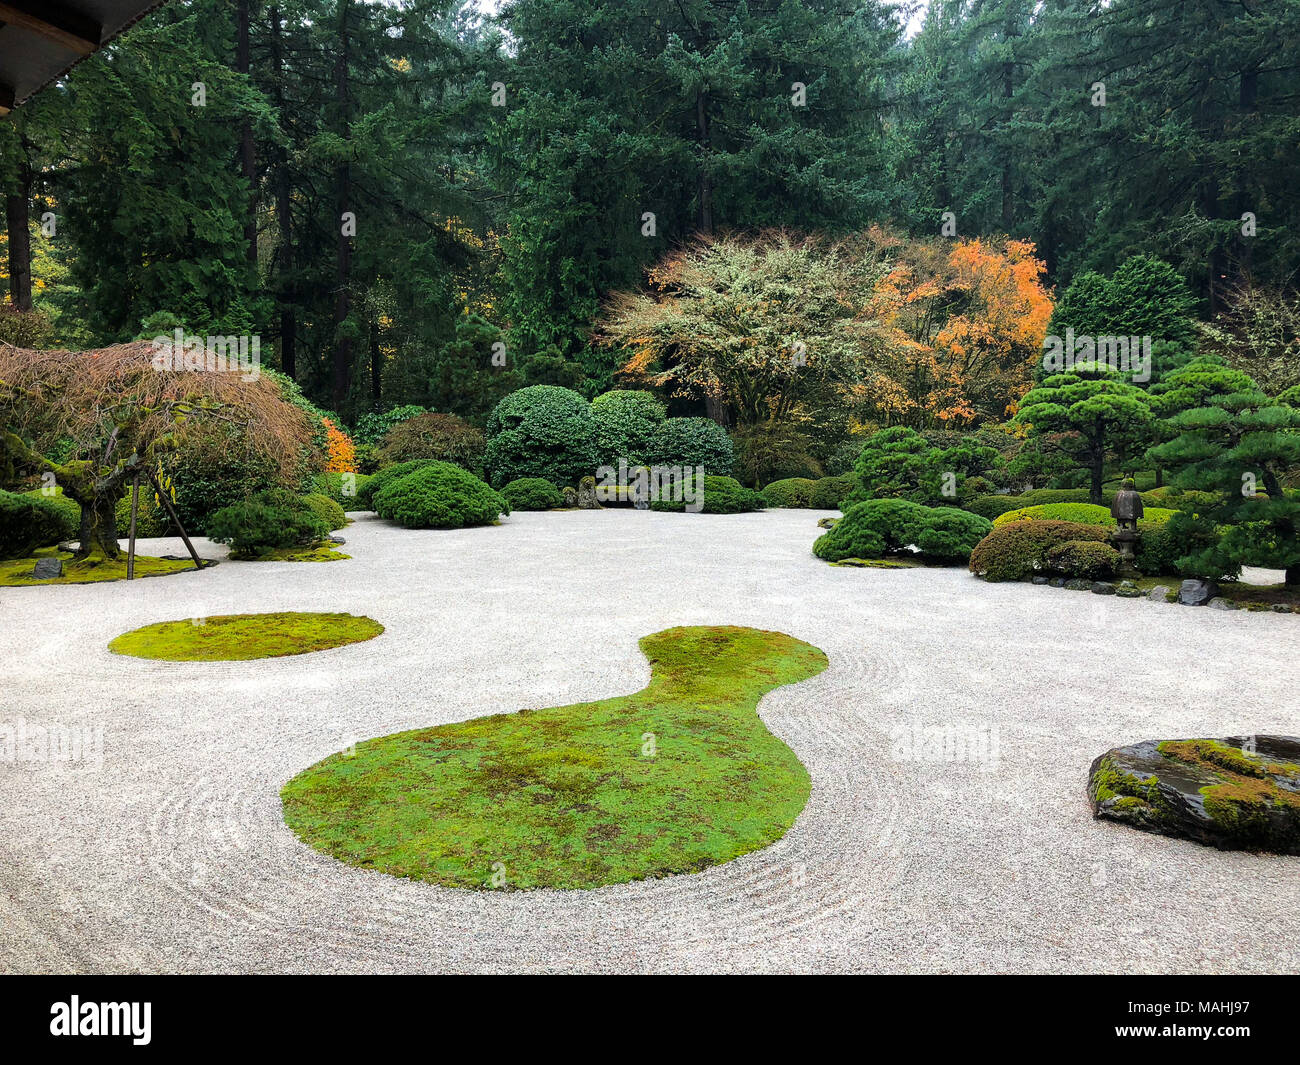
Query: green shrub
(370, 428)
(722, 495)
(263, 522)
(532, 493)
(443, 437)
(879, 527)
(1017, 551)
(325, 508)
(151, 518)
(829, 493)
(625, 423)
(790, 492)
(344, 488)
(69, 510)
(770, 452)
(214, 471)
(28, 522)
(900, 463)
(1172, 498)
(540, 431)
(693, 442)
(366, 493)
(991, 506)
(1086, 513)
(440, 495)
(1085, 559)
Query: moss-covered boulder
(1237, 793)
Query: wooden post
(135, 508)
(198, 562)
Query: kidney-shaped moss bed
(676, 778)
(239, 637)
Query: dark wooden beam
(55, 22)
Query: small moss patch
(319, 553)
(239, 637)
(681, 776)
(876, 563)
(18, 572)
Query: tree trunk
(343, 342)
(376, 366)
(705, 181)
(247, 151)
(1293, 573)
(18, 219)
(284, 216)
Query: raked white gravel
(171, 854)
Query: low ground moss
(678, 777)
(18, 572)
(240, 637)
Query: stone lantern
(1127, 509)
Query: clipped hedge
(693, 442)
(540, 431)
(1018, 550)
(378, 481)
(28, 522)
(829, 493)
(722, 495)
(790, 492)
(879, 527)
(1087, 513)
(440, 495)
(532, 493)
(1085, 559)
(325, 508)
(625, 423)
(344, 488)
(69, 510)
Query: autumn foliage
(342, 453)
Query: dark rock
(1237, 793)
(826, 523)
(1103, 588)
(1057, 582)
(1078, 584)
(337, 540)
(1128, 590)
(570, 497)
(1219, 603)
(1038, 580)
(1281, 608)
(1196, 592)
(47, 569)
(1158, 594)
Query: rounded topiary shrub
(625, 422)
(366, 494)
(31, 521)
(721, 495)
(1017, 551)
(264, 522)
(1086, 559)
(440, 495)
(540, 431)
(444, 437)
(344, 488)
(532, 493)
(693, 442)
(330, 512)
(790, 492)
(829, 493)
(879, 527)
